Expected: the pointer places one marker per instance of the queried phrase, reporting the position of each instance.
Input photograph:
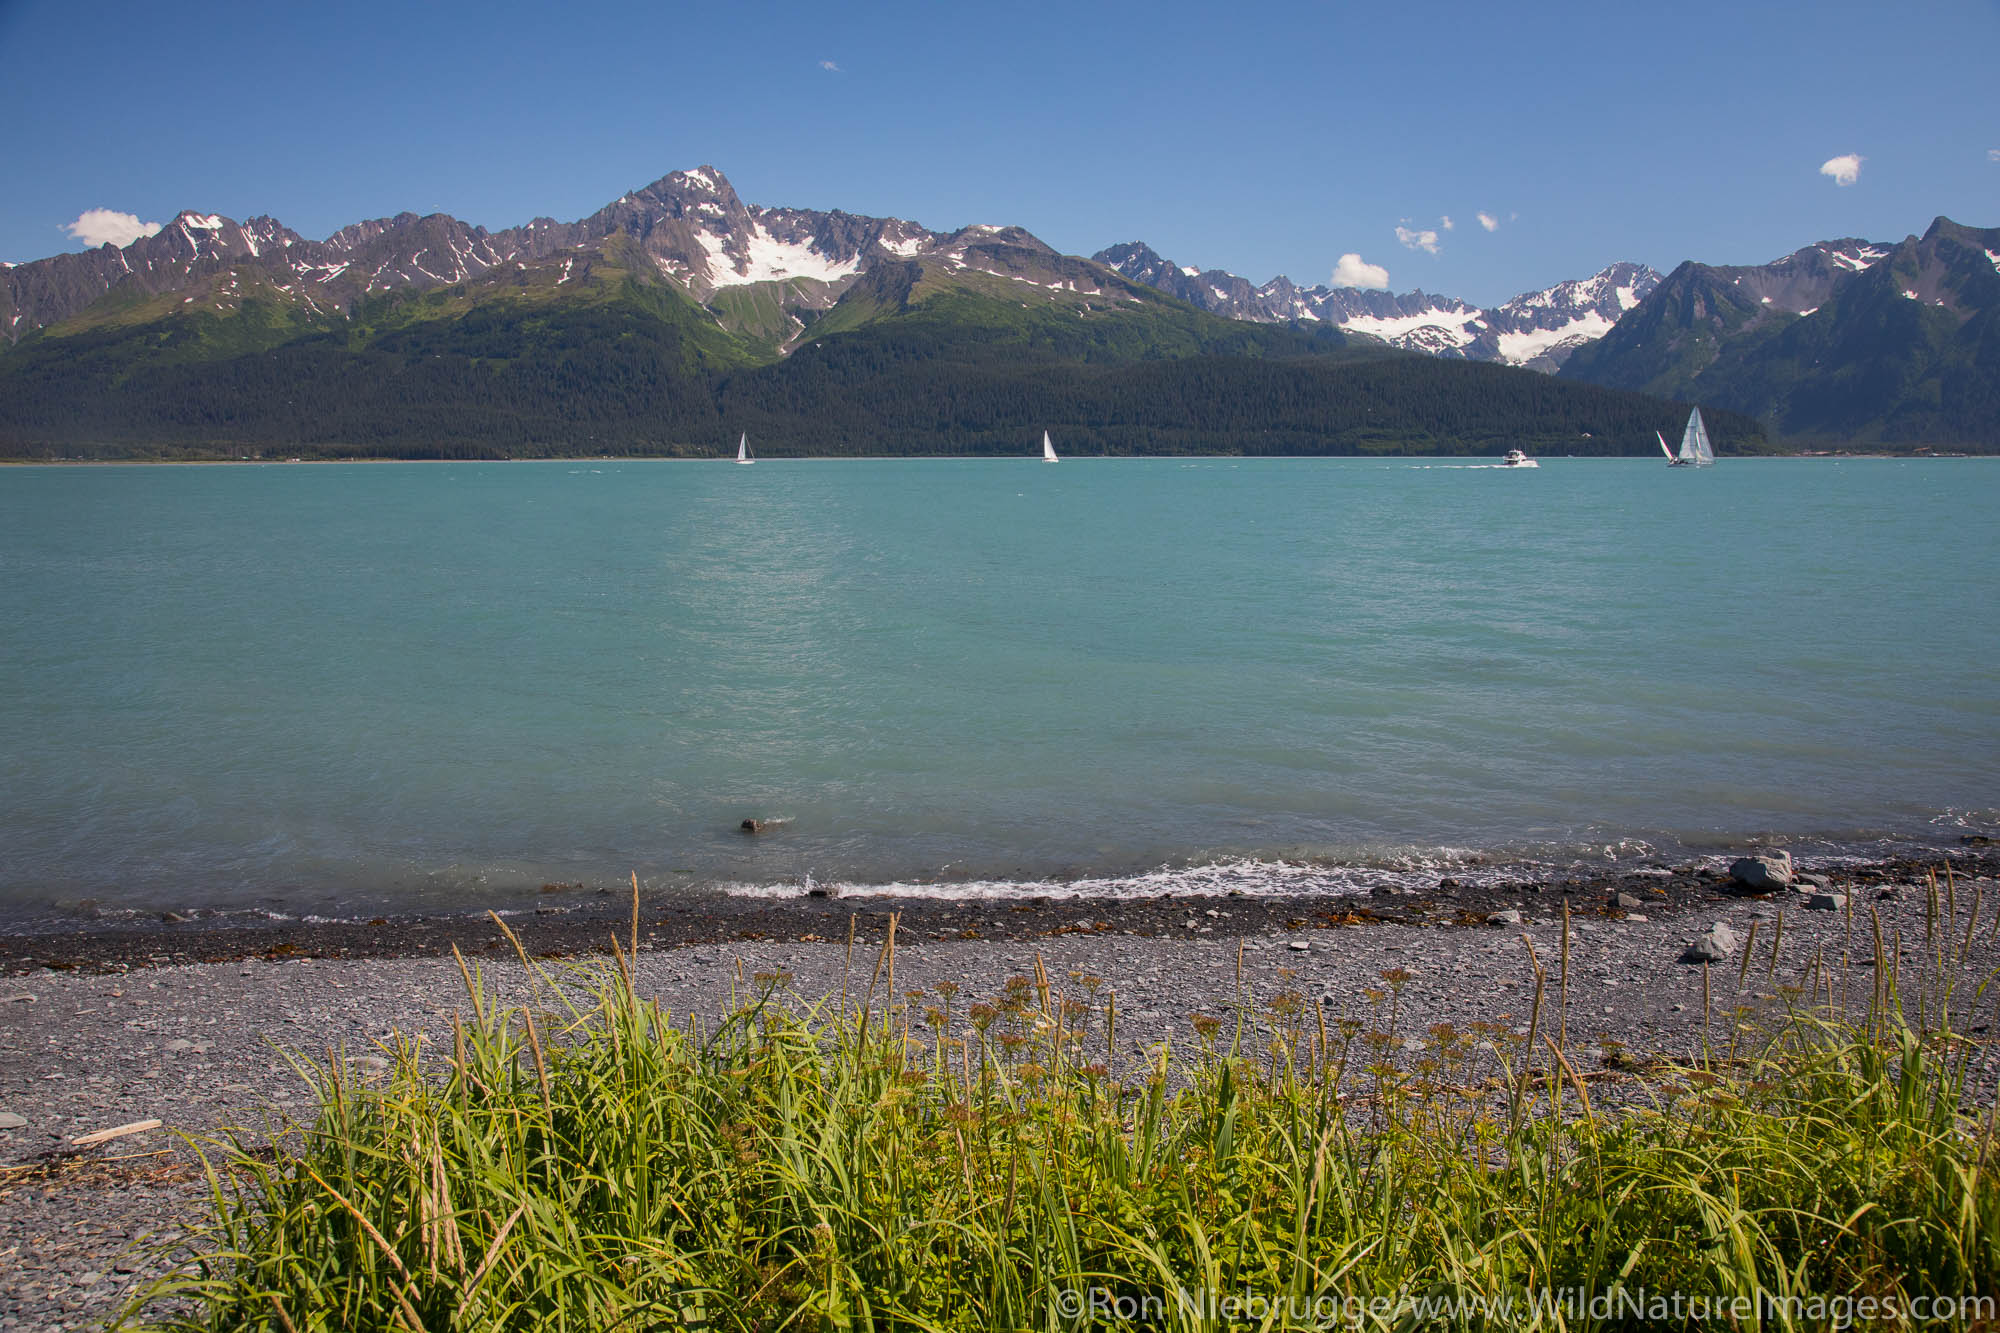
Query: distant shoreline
(1798, 455)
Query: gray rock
(1817, 881)
(1763, 872)
(1625, 902)
(1826, 902)
(8, 1120)
(1510, 917)
(1715, 944)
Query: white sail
(1663, 446)
(1048, 450)
(1695, 448)
(743, 449)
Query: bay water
(333, 689)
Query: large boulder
(1763, 872)
(1715, 944)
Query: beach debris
(1712, 946)
(91, 1140)
(8, 1120)
(1509, 917)
(18, 999)
(1763, 872)
(1826, 902)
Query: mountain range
(678, 315)
(1536, 329)
(1846, 342)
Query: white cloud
(1993, 155)
(829, 67)
(1427, 241)
(1845, 169)
(1353, 271)
(1488, 221)
(96, 226)
(1445, 222)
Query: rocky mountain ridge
(690, 226)
(1536, 329)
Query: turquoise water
(325, 688)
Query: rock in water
(1763, 872)
(752, 826)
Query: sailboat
(1695, 448)
(743, 449)
(1048, 450)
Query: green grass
(891, 1160)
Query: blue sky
(1262, 139)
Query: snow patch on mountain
(1526, 345)
(1447, 328)
(765, 258)
(1861, 260)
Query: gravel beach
(192, 1028)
